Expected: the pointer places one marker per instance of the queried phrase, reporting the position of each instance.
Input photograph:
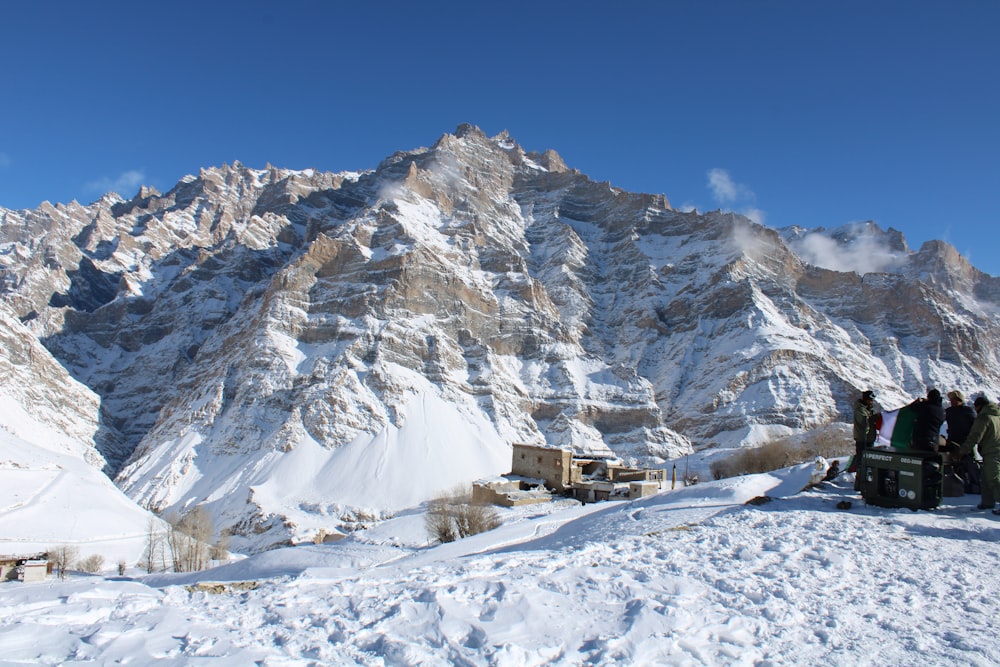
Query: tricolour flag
(897, 428)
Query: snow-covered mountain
(397, 329)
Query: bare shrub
(764, 458)
(439, 523)
(92, 564)
(454, 516)
(828, 442)
(121, 567)
(474, 518)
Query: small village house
(29, 568)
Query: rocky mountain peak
(467, 130)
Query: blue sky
(812, 113)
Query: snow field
(689, 577)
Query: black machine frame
(890, 477)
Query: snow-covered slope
(53, 497)
(249, 322)
(53, 489)
(317, 489)
(689, 577)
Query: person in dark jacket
(865, 430)
(960, 416)
(927, 427)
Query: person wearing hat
(960, 417)
(986, 433)
(865, 430)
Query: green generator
(901, 478)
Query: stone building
(24, 568)
(587, 479)
(555, 466)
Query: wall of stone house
(34, 572)
(552, 465)
(635, 475)
(642, 489)
(490, 496)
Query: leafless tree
(62, 557)
(189, 537)
(153, 553)
(220, 550)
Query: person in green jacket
(865, 412)
(986, 433)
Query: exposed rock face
(42, 393)
(246, 312)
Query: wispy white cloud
(749, 241)
(864, 253)
(754, 214)
(5, 160)
(734, 196)
(124, 184)
(725, 190)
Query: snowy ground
(50, 496)
(688, 577)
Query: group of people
(968, 428)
